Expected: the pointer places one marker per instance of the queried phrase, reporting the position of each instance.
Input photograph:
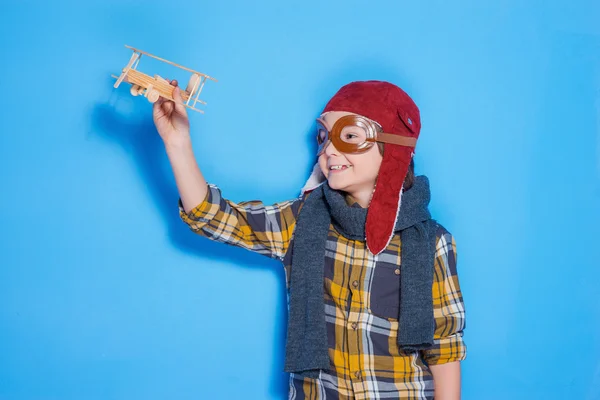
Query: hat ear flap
(387, 198)
(315, 180)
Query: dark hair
(410, 175)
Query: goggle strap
(395, 139)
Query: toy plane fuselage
(155, 87)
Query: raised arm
(265, 229)
(173, 126)
(252, 225)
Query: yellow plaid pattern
(361, 301)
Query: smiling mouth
(339, 167)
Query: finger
(163, 106)
(158, 109)
(174, 82)
(179, 107)
(168, 107)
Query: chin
(333, 185)
(337, 184)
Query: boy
(376, 309)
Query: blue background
(105, 293)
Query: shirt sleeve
(251, 225)
(448, 306)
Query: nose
(330, 149)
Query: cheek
(368, 163)
(376, 166)
(323, 164)
(370, 171)
(376, 160)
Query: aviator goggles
(356, 134)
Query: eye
(352, 137)
(321, 136)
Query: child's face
(360, 170)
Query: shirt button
(354, 325)
(397, 271)
(355, 284)
(357, 375)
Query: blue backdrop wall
(105, 293)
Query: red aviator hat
(396, 112)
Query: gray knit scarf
(306, 346)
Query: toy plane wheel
(153, 96)
(135, 90)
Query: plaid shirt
(361, 301)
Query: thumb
(179, 107)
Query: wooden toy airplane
(155, 87)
